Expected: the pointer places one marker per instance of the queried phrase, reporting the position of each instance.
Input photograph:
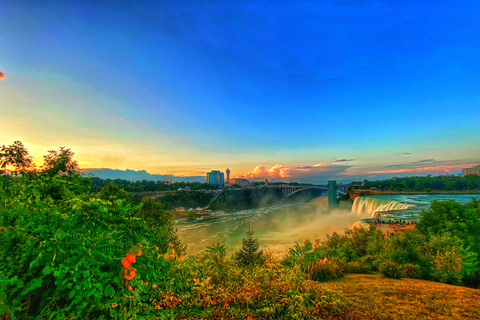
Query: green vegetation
(444, 247)
(190, 199)
(150, 186)
(428, 183)
(249, 255)
(68, 253)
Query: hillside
(378, 297)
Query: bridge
(332, 188)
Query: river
(280, 227)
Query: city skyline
(342, 90)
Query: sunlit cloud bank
(317, 173)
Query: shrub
(411, 270)
(391, 269)
(327, 268)
(357, 267)
(448, 267)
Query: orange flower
(130, 258)
(114, 305)
(139, 253)
(130, 273)
(125, 263)
(154, 286)
(130, 288)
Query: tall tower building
(228, 175)
(215, 177)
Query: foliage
(249, 255)
(69, 254)
(16, 155)
(112, 192)
(391, 269)
(448, 267)
(411, 270)
(190, 199)
(428, 183)
(327, 268)
(60, 161)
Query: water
(279, 227)
(402, 207)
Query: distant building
(242, 182)
(215, 177)
(473, 170)
(228, 175)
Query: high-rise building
(228, 174)
(473, 170)
(215, 177)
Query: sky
(287, 90)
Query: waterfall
(372, 206)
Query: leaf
(109, 291)
(34, 284)
(145, 297)
(47, 270)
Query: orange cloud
(2, 75)
(320, 172)
(276, 172)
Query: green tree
(16, 155)
(60, 161)
(111, 192)
(249, 255)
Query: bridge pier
(332, 193)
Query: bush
(327, 268)
(357, 267)
(391, 269)
(411, 270)
(448, 267)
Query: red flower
(130, 258)
(130, 288)
(125, 263)
(130, 273)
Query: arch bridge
(332, 188)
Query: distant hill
(132, 175)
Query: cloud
(2, 75)
(407, 153)
(343, 160)
(415, 163)
(396, 165)
(317, 173)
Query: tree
(60, 162)
(249, 255)
(15, 155)
(112, 192)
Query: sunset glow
(275, 92)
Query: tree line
(428, 183)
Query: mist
(277, 227)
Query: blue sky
(184, 87)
